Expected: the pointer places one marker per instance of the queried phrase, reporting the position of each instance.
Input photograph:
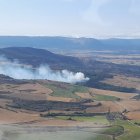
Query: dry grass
(121, 95)
(130, 105)
(8, 117)
(135, 115)
(38, 92)
(84, 95)
(105, 107)
(124, 81)
(62, 99)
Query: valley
(96, 70)
(44, 103)
(69, 69)
(104, 106)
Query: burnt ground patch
(42, 106)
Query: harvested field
(61, 99)
(34, 88)
(25, 91)
(124, 81)
(105, 107)
(120, 95)
(32, 98)
(135, 115)
(9, 117)
(84, 95)
(130, 105)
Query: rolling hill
(48, 105)
(36, 57)
(95, 70)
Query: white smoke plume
(18, 71)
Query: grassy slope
(95, 119)
(101, 137)
(122, 130)
(70, 91)
(67, 93)
(105, 98)
(132, 132)
(115, 130)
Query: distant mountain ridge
(70, 44)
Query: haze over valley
(69, 70)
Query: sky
(75, 18)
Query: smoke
(18, 71)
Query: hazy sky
(92, 18)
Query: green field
(132, 132)
(105, 98)
(95, 119)
(120, 129)
(114, 130)
(69, 92)
(110, 132)
(103, 137)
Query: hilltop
(36, 57)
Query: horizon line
(76, 37)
